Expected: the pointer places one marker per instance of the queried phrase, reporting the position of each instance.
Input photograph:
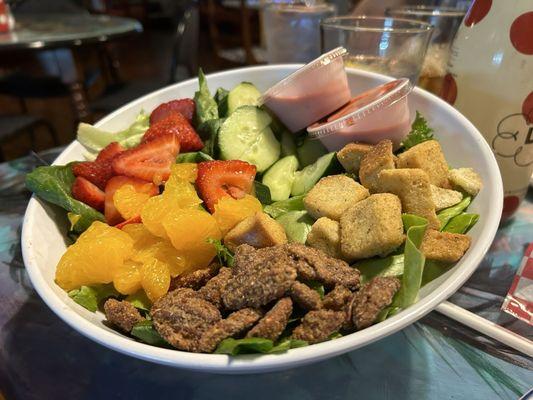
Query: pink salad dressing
(312, 92)
(379, 113)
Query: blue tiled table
(436, 358)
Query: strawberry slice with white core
(109, 152)
(217, 179)
(112, 215)
(149, 161)
(186, 107)
(88, 193)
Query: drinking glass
(292, 29)
(390, 46)
(445, 22)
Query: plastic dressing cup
(377, 114)
(311, 93)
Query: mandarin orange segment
(153, 212)
(155, 279)
(229, 211)
(99, 252)
(128, 277)
(128, 201)
(188, 230)
(181, 193)
(163, 251)
(186, 171)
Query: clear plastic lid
(322, 61)
(361, 106)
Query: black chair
(184, 63)
(13, 125)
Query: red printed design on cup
(527, 108)
(478, 10)
(521, 33)
(449, 89)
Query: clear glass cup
(292, 29)
(445, 22)
(390, 46)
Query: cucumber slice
(309, 151)
(244, 94)
(288, 147)
(280, 176)
(310, 175)
(297, 225)
(245, 135)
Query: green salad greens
(420, 132)
(53, 184)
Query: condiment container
(312, 92)
(377, 114)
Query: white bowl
(43, 237)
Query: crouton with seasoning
(444, 246)
(429, 157)
(325, 236)
(259, 230)
(372, 227)
(377, 159)
(466, 179)
(332, 195)
(444, 198)
(350, 156)
(412, 187)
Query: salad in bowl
(208, 226)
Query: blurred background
(66, 61)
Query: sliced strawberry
(88, 193)
(177, 124)
(217, 179)
(109, 152)
(132, 220)
(150, 161)
(96, 172)
(185, 107)
(112, 215)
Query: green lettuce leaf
(145, 332)
(224, 255)
(90, 297)
(53, 184)
(221, 97)
(194, 157)
(234, 347)
(317, 286)
(95, 139)
(461, 223)
(208, 131)
(140, 300)
(414, 261)
(297, 225)
(206, 106)
(420, 132)
(262, 192)
(388, 266)
(279, 208)
(447, 214)
(287, 344)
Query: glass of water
(390, 46)
(292, 29)
(445, 22)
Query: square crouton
(372, 227)
(325, 236)
(466, 179)
(444, 198)
(429, 157)
(350, 156)
(332, 195)
(444, 246)
(412, 187)
(377, 159)
(259, 230)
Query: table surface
(37, 31)
(436, 358)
